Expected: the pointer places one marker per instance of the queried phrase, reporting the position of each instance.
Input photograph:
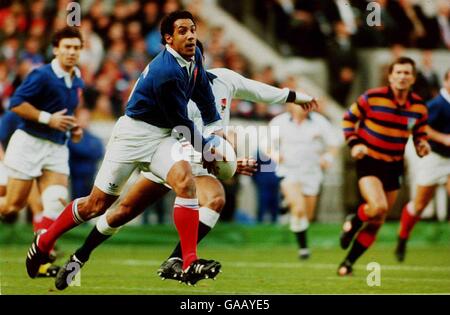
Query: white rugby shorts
(432, 169)
(168, 153)
(26, 156)
(134, 144)
(310, 180)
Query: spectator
(443, 18)
(268, 188)
(83, 157)
(93, 52)
(427, 81)
(342, 63)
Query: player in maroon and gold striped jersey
(377, 127)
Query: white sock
(410, 208)
(208, 216)
(298, 224)
(191, 203)
(104, 228)
(76, 216)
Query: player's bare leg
(142, 194)
(35, 205)
(211, 197)
(52, 187)
(186, 219)
(300, 207)
(75, 213)
(16, 197)
(410, 216)
(367, 234)
(376, 205)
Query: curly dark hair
(167, 22)
(67, 32)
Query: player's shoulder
(219, 72)
(224, 74)
(40, 72)
(377, 91)
(437, 101)
(317, 117)
(226, 77)
(281, 118)
(416, 98)
(417, 104)
(163, 68)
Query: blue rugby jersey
(439, 120)
(161, 94)
(45, 89)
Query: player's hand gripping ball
(222, 156)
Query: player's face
(402, 77)
(68, 52)
(184, 38)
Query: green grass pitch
(255, 259)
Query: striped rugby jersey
(384, 126)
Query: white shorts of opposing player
(27, 156)
(136, 144)
(168, 153)
(432, 169)
(309, 179)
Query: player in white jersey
(226, 85)
(305, 146)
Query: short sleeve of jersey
(29, 89)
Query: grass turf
(255, 259)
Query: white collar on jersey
(181, 61)
(60, 73)
(445, 94)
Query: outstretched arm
(256, 91)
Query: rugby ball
(224, 167)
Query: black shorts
(388, 173)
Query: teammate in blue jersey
(45, 102)
(37, 150)
(9, 122)
(157, 104)
(432, 170)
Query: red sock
(361, 214)
(41, 222)
(67, 220)
(186, 218)
(368, 234)
(407, 222)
